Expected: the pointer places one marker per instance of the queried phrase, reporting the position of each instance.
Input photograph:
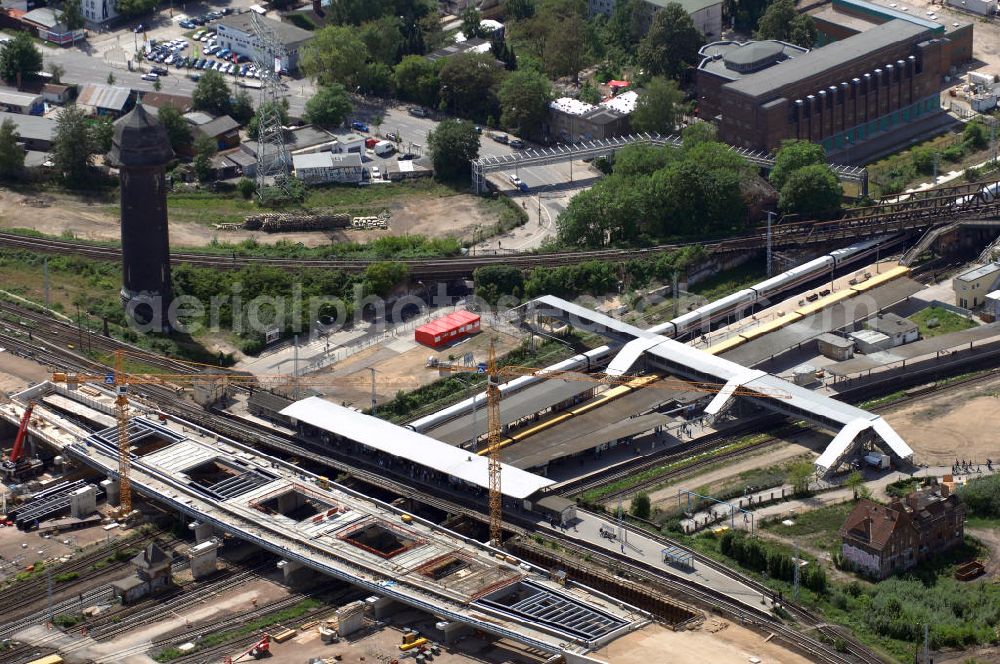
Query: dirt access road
(92, 219)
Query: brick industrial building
(879, 540)
(866, 86)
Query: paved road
(106, 53)
(644, 549)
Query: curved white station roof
(406, 444)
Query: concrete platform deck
(341, 533)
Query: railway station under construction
(315, 525)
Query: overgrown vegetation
(982, 496)
(247, 628)
(762, 556)
(593, 277)
(895, 173)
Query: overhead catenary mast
(273, 164)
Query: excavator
(17, 465)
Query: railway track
(12, 599)
(922, 210)
(383, 477)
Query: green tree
(267, 107)
(589, 94)
(384, 39)
(11, 154)
(976, 135)
(178, 129)
(204, 149)
(376, 79)
(607, 214)
(799, 475)
(453, 144)
(19, 58)
(565, 52)
(381, 278)
(469, 84)
(471, 19)
(642, 160)
(658, 107)
(672, 43)
(242, 107)
(416, 80)
(792, 156)
(640, 506)
(71, 14)
(518, 10)
(524, 102)
(135, 7)
(102, 131)
(627, 24)
(246, 187)
(335, 54)
(698, 133)
(811, 191)
(111, 78)
(854, 482)
(72, 152)
(781, 21)
(329, 107)
(211, 94)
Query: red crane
(22, 434)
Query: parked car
(418, 111)
(150, 77)
(516, 143)
(195, 77)
(142, 27)
(187, 25)
(406, 156)
(392, 136)
(359, 126)
(500, 138)
(376, 174)
(478, 129)
(210, 50)
(159, 71)
(224, 53)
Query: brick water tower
(140, 150)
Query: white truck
(383, 148)
(877, 460)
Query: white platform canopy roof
(792, 399)
(418, 448)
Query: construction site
(635, 499)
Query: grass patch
(819, 528)
(250, 627)
(884, 400)
(208, 208)
(935, 321)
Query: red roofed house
(447, 329)
(879, 540)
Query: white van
(383, 148)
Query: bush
(640, 507)
(953, 153)
(982, 496)
(246, 187)
(923, 160)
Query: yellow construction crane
(495, 375)
(120, 380)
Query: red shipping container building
(447, 329)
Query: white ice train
(701, 319)
(988, 194)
